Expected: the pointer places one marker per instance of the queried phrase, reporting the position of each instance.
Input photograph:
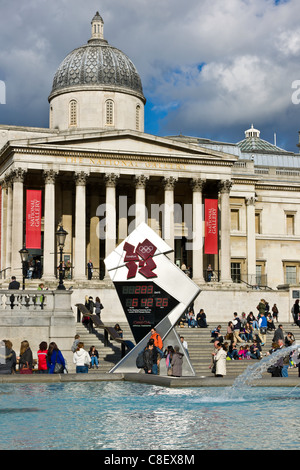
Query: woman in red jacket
(42, 358)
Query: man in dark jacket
(8, 358)
(278, 334)
(151, 358)
(13, 285)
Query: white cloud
(250, 50)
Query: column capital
(169, 183)
(50, 176)
(197, 184)
(80, 178)
(250, 201)
(111, 180)
(18, 175)
(225, 186)
(141, 181)
(8, 181)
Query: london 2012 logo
(140, 259)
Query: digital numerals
(135, 290)
(144, 302)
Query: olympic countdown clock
(152, 290)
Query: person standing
(82, 359)
(176, 363)
(219, 360)
(295, 312)
(263, 324)
(8, 357)
(98, 307)
(184, 344)
(25, 359)
(150, 357)
(275, 312)
(90, 267)
(261, 307)
(158, 342)
(278, 334)
(42, 358)
(236, 328)
(13, 285)
(55, 360)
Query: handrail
(256, 286)
(4, 270)
(108, 330)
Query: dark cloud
(208, 68)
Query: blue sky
(209, 68)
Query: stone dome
(97, 65)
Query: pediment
(125, 142)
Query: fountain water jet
(255, 371)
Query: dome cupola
(88, 77)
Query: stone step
(199, 344)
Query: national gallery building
(98, 175)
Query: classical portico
(99, 197)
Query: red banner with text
(33, 218)
(211, 227)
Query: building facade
(100, 176)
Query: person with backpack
(158, 342)
(151, 359)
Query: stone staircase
(199, 346)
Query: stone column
(140, 199)
(225, 262)
(94, 244)
(80, 227)
(111, 218)
(251, 241)
(168, 219)
(197, 245)
(17, 221)
(49, 226)
(8, 184)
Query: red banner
(211, 227)
(33, 218)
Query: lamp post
(24, 259)
(61, 238)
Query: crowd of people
(245, 336)
(243, 340)
(50, 359)
(151, 356)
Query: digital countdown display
(145, 305)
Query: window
(51, 117)
(73, 113)
(259, 274)
(137, 117)
(290, 224)
(290, 274)
(257, 222)
(109, 112)
(235, 219)
(236, 272)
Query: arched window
(137, 117)
(51, 117)
(73, 113)
(109, 112)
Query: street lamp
(24, 259)
(61, 238)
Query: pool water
(129, 416)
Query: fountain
(255, 371)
